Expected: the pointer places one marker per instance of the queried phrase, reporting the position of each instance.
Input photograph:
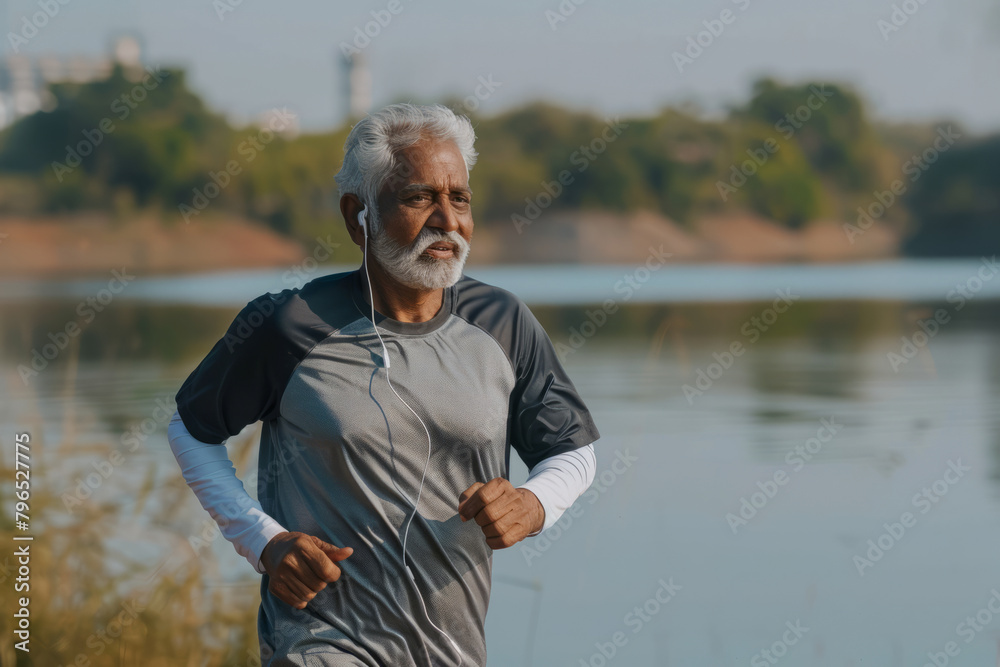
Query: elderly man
(390, 398)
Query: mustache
(428, 237)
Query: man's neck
(398, 301)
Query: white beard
(407, 265)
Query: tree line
(791, 153)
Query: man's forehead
(421, 166)
(428, 152)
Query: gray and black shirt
(341, 457)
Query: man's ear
(350, 206)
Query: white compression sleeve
(559, 480)
(211, 475)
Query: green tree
(827, 121)
(956, 205)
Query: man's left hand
(506, 515)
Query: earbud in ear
(363, 220)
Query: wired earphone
(363, 221)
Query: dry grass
(117, 581)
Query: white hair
(372, 147)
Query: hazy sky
(611, 57)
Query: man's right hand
(300, 566)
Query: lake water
(819, 483)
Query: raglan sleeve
(240, 381)
(548, 416)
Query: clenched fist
(506, 515)
(300, 566)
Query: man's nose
(444, 217)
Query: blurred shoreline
(88, 245)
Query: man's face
(425, 227)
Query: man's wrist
(268, 532)
(536, 511)
(560, 480)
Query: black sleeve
(242, 378)
(548, 417)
